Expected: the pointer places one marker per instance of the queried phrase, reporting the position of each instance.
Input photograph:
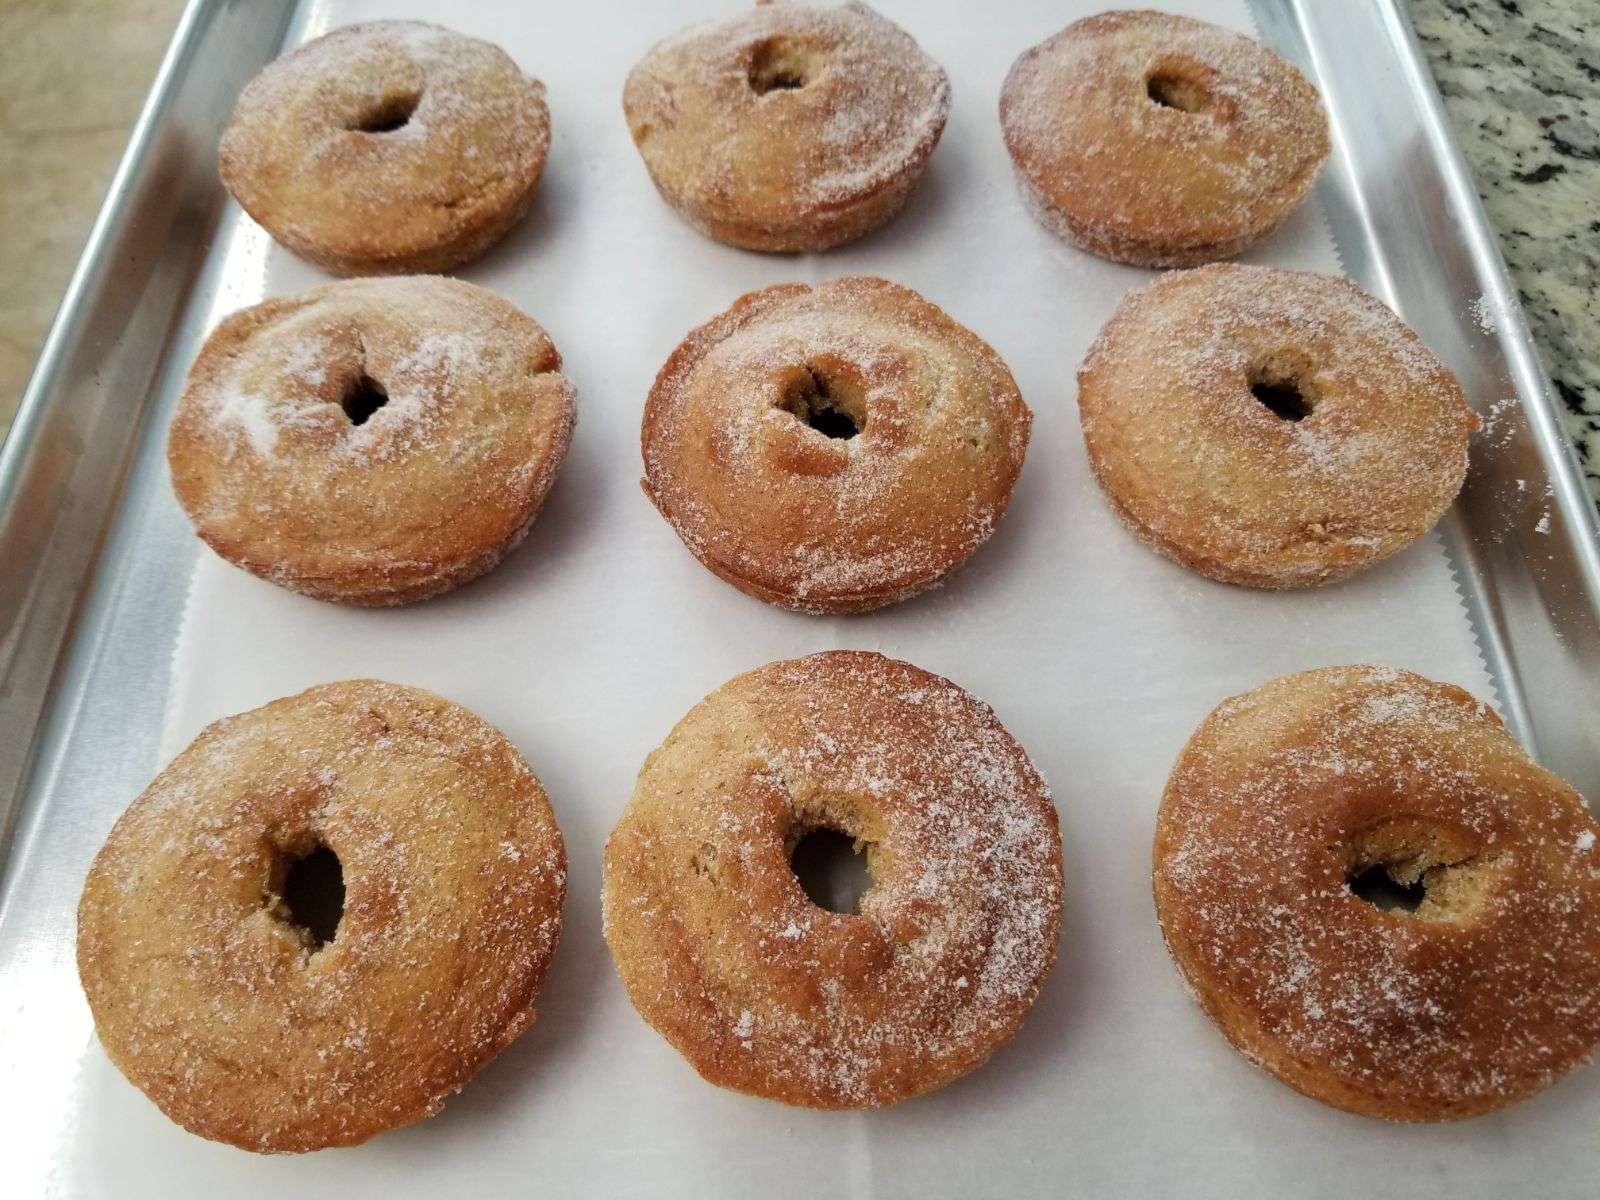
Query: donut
(233, 991)
(374, 441)
(387, 148)
(1277, 429)
(764, 991)
(1159, 140)
(787, 127)
(1285, 799)
(833, 448)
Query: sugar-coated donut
(788, 127)
(833, 448)
(215, 998)
(1483, 995)
(388, 147)
(767, 993)
(1159, 140)
(1272, 428)
(375, 441)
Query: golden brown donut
(388, 147)
(833, 448)
(1159, 140)
(212, 993)
(764, 991)
(1271, 428)
(788, 127)
(376, 441)
(1485, 994)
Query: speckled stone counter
(1521, 82)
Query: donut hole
(363, 397)
(1173, 89)
(307, 894)
(1409, 869)
(1278, 385)
(824, 405)
(1284, 400)
(831, 868)
(1381, 890)
(782, 64)
(386, 113)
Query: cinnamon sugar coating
(1271, 428)
(789, 127)
(226, 1014)
(388, 147)
(749, 451)
(1158, 140)
(765, 992)
(288, 470)
(1487, 993)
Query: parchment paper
(600, 632)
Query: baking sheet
(601, 631)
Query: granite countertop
(1521, 83)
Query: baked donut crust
(313, 153)
(787, 127)
(1230, 148)
(430, 490)
(1199, 466)
(820, 523)
(226, 1014)
(1486, 994)
(767, 993)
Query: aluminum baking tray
(95, 559)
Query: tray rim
(41, 621)
(1515, 335)
(1534, 394)
(1535, 611)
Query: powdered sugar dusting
(227, 1014)
(1482, 310)
(1200, 466)
(471, 421)
(425, 340)
(1108, 166)
(872, 106)
(251, 416)
(951, 943)
(1488, 992)
(470, 147)
(758, 495)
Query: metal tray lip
(1512, 332)
(1465, 204)
(74, 314)
(98, 249)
